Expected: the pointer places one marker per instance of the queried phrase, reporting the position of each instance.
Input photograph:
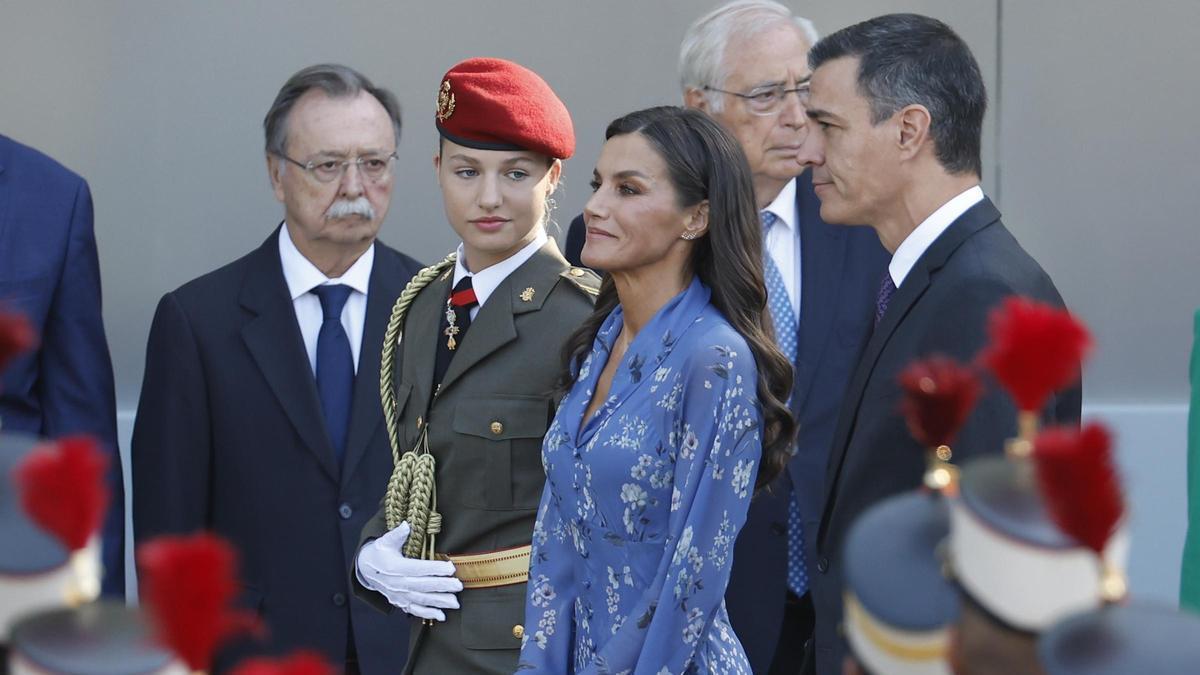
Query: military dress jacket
(485, 426)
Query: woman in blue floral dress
(674, 414)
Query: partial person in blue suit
(260, 416)
(49, 270)
(746, 64)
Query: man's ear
(912, 125)
(695, 98)
(275, 173)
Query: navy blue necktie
(335, 366)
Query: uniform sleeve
(374, 529)
(171, 448)
(719, 445)
(76, 383)
(549, 607)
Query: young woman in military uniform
(469, 373)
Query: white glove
(422, 588)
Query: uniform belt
(494, 568)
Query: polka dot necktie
(780, 306)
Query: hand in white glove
(422, 588)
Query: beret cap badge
(445, 101)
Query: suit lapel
(387, 282)
(914, 286)
(823, 256)
(273, 338)
(494, 326)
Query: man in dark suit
(253, 422)
(745, 63)
(898, 105)
(49, 271)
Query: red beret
(493, 104)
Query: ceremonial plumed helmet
(494, 104)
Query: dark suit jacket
(485, 427)
(49, 271)
(941, 307)
(840, 272)
(230, 437)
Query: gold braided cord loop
(411, 493)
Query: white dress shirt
(485, 281)
(783, 241)
(920, 239)
(302, 276)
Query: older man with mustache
(260, 416)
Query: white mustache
(343, 208)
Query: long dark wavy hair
(705, 162)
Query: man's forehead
(326, 122)
(771, 55)
(834, 81)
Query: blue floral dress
(643, 502)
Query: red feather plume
(16, 336)
(1079, 482)
(939, 394)
(63, 488)
(299, 663)
(1036, 349)
(188, 584)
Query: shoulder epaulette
(584, 279)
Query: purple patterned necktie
(886, 289)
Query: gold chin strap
(411, 491)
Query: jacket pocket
(490, 617)
(503, 434)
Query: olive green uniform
(485, 426)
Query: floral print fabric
(643, 502)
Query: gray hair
(337, 81)
(702, 54)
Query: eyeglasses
(767, 100)
(374, 168)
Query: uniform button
(345, 511)
(823, 565)
(420, 423)
(576, 272)
(518, 631)
(339, 599)
(497, 428)
(778, 528)
(587, 583)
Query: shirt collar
(302, 276)
(485, 281)
(920, 239)
(784, 206)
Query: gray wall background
(1089, 149)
